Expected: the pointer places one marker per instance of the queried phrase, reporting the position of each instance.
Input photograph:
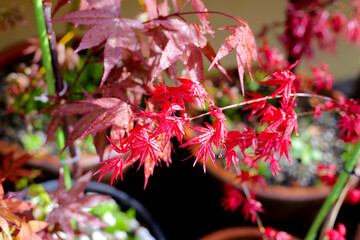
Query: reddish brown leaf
(56, 121)
(11, 167)
(199, 6)
(70, 204)
(210, 54)
(16, 205)
(156, 9)
(9, 216)
(100, 143)
(107, 25)
(181, 36)
(194, 64)
(29, 229)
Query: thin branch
(248, 197)
(307, 95)
(59, 81)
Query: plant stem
(59, 81)
(49, 75)
(335, 193)
(44, 45)
(60, 137)
(308, 95)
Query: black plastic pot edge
(123, 199)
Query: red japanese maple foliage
(152, 88)
(337, 234)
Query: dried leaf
(6, 235)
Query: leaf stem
(335, 192)
(44, 45)
(308, 95)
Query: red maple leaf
(98, 115)
(243, 41)
(219, 126)
(116, 163)
(251, 208)
(199, 6)
(167, 122)
(142, 144)
(185, 43)
(70, 204)
(232, 198)
(205, 140)
(107, 25)
(285, 80)
(337, 234)
(156, 9)
(254, 104)
(189, 90)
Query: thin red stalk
(182, 7)
(248, 197)
(308, 95)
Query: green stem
(60, 137)
(335, 193)
(49, 76)
(44, 45)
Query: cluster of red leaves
(271, 233)
(308, 21)
(353, 196)
(149, 140)
(270, 58)
(327, 174)
(321, 80)
(233, 199)
(337, 234)
(349, 116)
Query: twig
(59, 82)
(248, 197)
(308, 95)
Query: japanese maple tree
(152, 90)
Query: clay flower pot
(237, 233)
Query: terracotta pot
(237, 233)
